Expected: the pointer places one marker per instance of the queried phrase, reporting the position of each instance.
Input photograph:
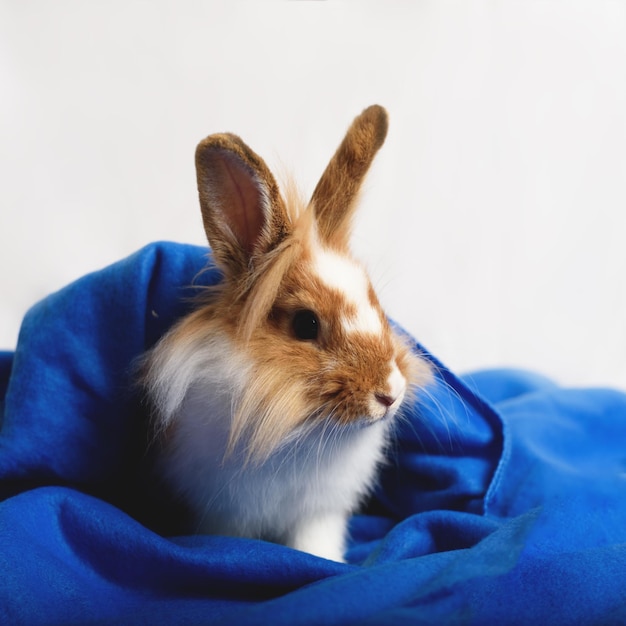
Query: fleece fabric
(503, 501)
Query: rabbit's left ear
(335, 196)
(243, 212)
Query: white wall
(495, 217)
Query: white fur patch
(395, 390)
(397, 384)
(347, 277)
(324, 536)
(300, 496)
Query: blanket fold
(503, 501)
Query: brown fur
(237, 235)
(336, 193)
(264, 244)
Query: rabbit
(274, 399)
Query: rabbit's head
(294, 335)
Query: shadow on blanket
(504, 501)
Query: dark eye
(305, 325)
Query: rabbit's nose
(393, 392)
(385, 399)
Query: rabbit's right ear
(335, 196)
(243, 212)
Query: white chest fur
(301, 495)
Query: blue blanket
(504, 501)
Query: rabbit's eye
(305, 325)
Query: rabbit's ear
(335, 196)
(243, 213)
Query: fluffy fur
(266, 434)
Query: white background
(493, 222)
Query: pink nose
(384, 399)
